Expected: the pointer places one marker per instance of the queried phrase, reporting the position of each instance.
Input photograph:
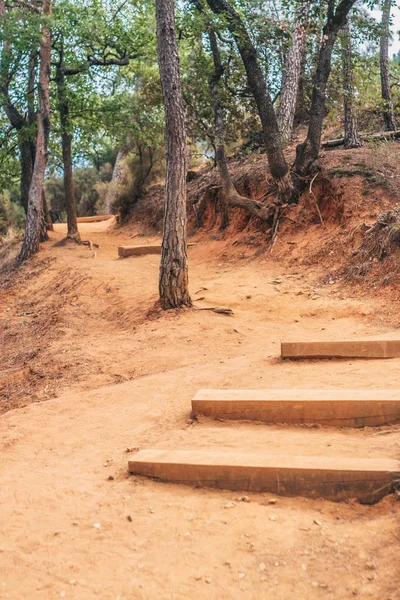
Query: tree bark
(174, 280)
(351, 135)
(35, 201)
(388, 114)
(230, 193)
(66, 141)
(257, 84)
(112, 193)
(307, 152)
(292, 71)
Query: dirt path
(73, 524)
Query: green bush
(12, 216)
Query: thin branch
(28, 5)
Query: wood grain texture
(367, 480)
(334, 408)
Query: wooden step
(125, 251)
(365, 479)
(95, 219)
(336, 408)
(349, 349)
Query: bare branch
(28, 5)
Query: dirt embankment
(329, 224)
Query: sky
(395, 47)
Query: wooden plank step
(348, 349)
(125, 251)
(95, 219)
(338, 478)
(336, 408)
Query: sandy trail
(156, 540)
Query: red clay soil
(91, 371)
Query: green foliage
(12, 217)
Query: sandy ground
(74, 524)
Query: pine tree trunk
(46, 214)
(257, 84)
(230, 193)
(291, 76)
(390, 121)
(112, 193)
(351, 136)
(219, 125)
(26, 162)
(174, 280)
(35, 202)
(66, 140)
(307, 152)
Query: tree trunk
(291, 76)
(117, 175)
(35, 202)
(174, 280)
(351, 135)
(390, 121)
(257, 84)
(143, 169)
(46, 213)
(220, 155)
(26, 162)
(66, 141)
(307, 152)
(230, 194)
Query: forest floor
(91, 370)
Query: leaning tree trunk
(174, 280)
(230, 193)
(307, 152)
(117, 176)
(351, 135)
(388, 114)
(26, 162)
(257, 84)
(35, 202)
(66, 141)
(292, 72)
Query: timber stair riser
(333, 408)
(127, 251)
(353, 349)
(337, 479)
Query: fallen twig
(221, 310)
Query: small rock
(97, 525)
(272, 517)
(314, 584)
(272, 501)
(133, 449)
(230, 505)
(304, 528)
(111, 478)
(241, 575)
(244, 499)
(276, 564)
(129, 518)
(62, 594)
(208, 580)
(72, 582)
(262, 567)
(371, 565)
(252, 546)
(317, 522)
